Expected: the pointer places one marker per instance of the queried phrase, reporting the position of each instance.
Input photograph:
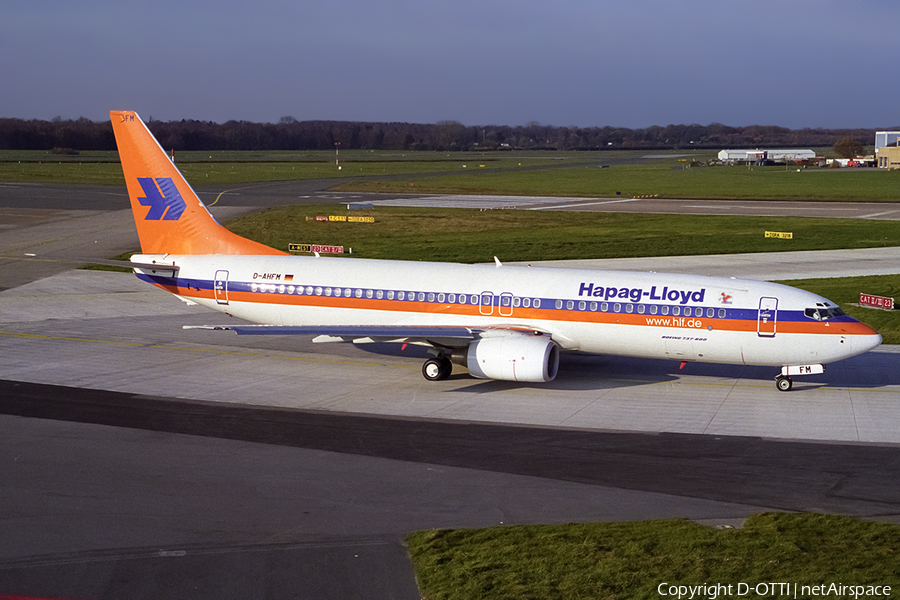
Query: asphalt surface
(111, 494)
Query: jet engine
(512, 358)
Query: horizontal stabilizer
(154, 268)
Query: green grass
(664, 178)
(845, 292)
(578, 174)
(224, 168)
(465, 235)
(616, 561)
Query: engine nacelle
(513, 358)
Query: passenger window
(441, 297)
(526, 302)
(604, 307)
(710, 312)
(664, 310)
(537, 302)
(594, 306)
(559, 304)
(721, 313)
(570, 305)
(641, 309)
(451, 298)
(654, 309)
(617, 307)
(629, 308)
(379, 294)
(369, 293)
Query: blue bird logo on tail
(163, 198)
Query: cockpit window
(823, 314)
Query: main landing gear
(783, 383)
(437, 369)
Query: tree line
(290, 134)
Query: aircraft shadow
(590, 371)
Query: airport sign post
(870, 301)
(315, 248)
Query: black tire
(437, 369)
(784, 384)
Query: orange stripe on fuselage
(529, 314)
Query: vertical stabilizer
(169, 216)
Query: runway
(142, 457)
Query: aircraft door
(506, 304)
(220, 287)
(768, 317)
(486, 303)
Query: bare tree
(848, 147)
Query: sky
(585, 63)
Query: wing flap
(443, 336)
(357, 333)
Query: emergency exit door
(767, 319)
(220, 287)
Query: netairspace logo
(712, 591)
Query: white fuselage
(654, 315)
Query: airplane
(499, 321)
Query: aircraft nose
(863, 337)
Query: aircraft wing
(432, 335)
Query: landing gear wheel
(437, 369)
(784, 384)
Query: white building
(779, 155)
(886, 138)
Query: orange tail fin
(170, 218)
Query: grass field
(616, 561)
(664, 178)
(461, 235)
(215, 168)
(575, 174)
(465, 235)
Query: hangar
(780, 155)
